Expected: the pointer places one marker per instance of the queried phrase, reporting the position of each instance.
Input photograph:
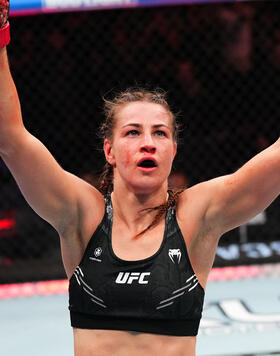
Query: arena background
(220, 64)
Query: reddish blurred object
(7, 223)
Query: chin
(147, 187)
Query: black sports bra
(159, 294)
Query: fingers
(4, 12)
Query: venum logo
(129, 277)
(175, 255)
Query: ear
(109, 152)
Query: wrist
(5, 35)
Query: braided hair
(162, 209)
(111, 108)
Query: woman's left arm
(236, 198)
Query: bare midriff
(125, 343)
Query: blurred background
(219, 63)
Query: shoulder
(194, 203)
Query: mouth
(147, 164)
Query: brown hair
(111, 107)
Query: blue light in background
(25, 4)
(25, 7)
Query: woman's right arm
(54, 194)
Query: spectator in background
(269, 37)
(237, 23)
(188, 79)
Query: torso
(124, 343)
(112, 342)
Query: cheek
(126, 155)
(168, 154)
(127, 158)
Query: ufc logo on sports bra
(129, 277)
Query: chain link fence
(220, 64)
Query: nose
(148, 145)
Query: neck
(129, 207)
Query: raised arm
(54, 194)
(236, 198)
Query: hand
(4, 12)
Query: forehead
(143, 113)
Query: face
(142, 149)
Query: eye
(160, 133)
(132, 133)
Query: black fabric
(159, 294)
(163, 326)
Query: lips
(147, 162)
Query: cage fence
(220, 65)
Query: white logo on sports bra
(174, 253)
(129, 277)
(97, 252)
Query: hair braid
(162, 209)
(106, 179)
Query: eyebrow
(154, 126)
